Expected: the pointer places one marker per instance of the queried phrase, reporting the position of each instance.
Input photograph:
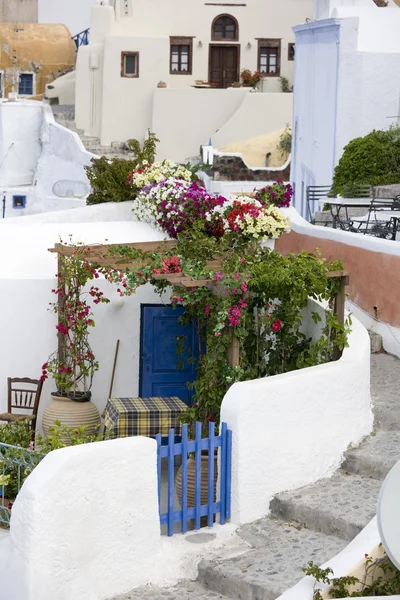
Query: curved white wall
(85, 525)
(291, 430)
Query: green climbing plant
(380, 578)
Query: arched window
(225, 27)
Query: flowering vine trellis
(245, 299)
(73, 365)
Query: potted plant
(250, 79)
(73, 365)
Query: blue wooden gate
(222, 505)
(164, 373)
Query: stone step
(188, 590)
(376, 456)
(273, 565)
(340, 506)
(385, 391)
(90, 142)
(376, 342)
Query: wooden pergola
(101, 255)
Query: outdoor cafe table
(337, 204)
(125, 417)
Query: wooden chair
(23, 400)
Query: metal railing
(81, 39)
(16, 464)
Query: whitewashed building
(347, 83)
(136, 44)
(41, 163)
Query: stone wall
(233, 168)
(387, 191)
(373, 264)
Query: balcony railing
(81, 39)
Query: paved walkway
(313, 523)
(185, 591)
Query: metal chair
(374, 224)
(316, 194)
(23, 400)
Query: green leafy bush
(148, 151)
(18, 462)
(108, 177)
(370, 160)
(16, 434)
(285, 86)
(285, 142)
(381, 578)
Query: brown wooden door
(224, 65)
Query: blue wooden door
(162, 371)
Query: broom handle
(113, 371)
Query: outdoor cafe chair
(381, 220)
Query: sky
(75, 14)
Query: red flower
(277, 326)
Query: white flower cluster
(159, 171)
(146, 204)
(270, 223)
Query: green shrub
(285, 142)
(108, 177)
(148, 151)
(285, 86)
(370, 160)
(16, 434)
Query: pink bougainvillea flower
(243, 286)
(277, 325)
(207, 310)
(63, 329)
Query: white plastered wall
(40, 160)
(224, 116)
(27, 277)
(85, 525)
(347, 83)
(291, 430)
(20, 148)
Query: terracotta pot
(71, 413)
(6, 504)
(191, 483)
(162, 85)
